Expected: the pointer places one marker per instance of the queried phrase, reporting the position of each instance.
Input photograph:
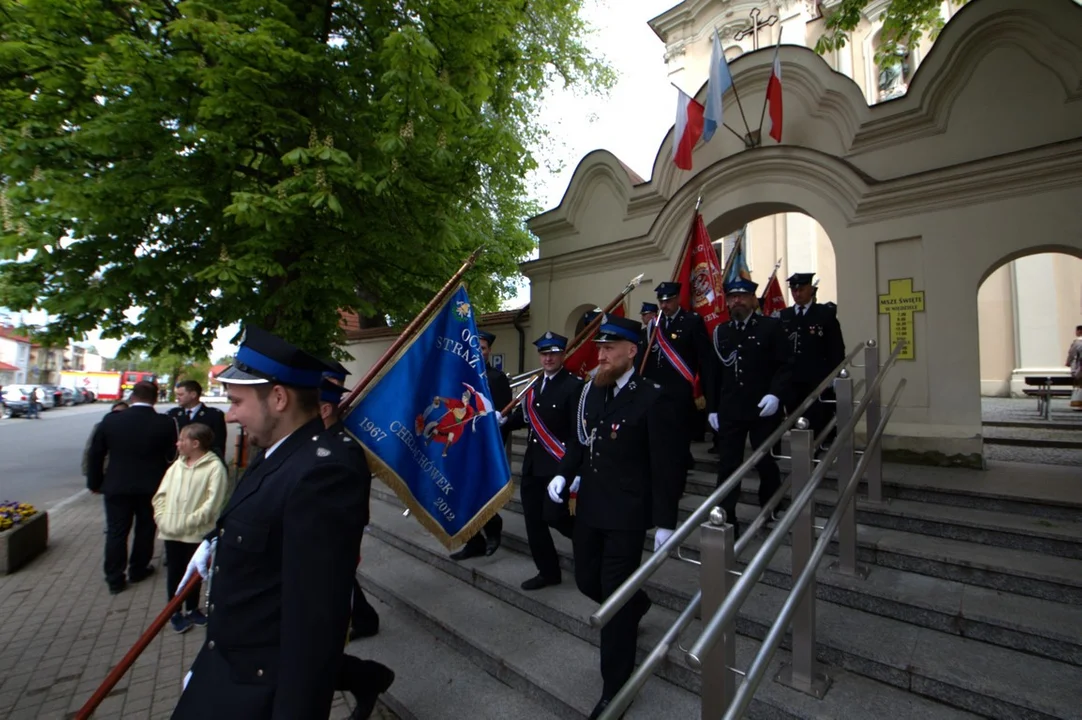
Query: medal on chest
(615, 427)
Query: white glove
(503, 419)
(200, 562)
(661, 536)
(556, 487)
(712, 418)
(575, 485)
(768, 405)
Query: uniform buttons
(210, 608)
(215, 569)
(221, 533)
(259, 672)
(240, 539)
(210, 645)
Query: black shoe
(470, 550)
(366, 629)
(644, 607)
(140, 575)
(375, 679)
(600, 708)
(118, 587)
(492, 543)
(539, 581)
(780, 509)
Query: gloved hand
(575, 485)
(712, 418)
(661, 536)
(502, 418)
(768, 405)
(556, 488)
(200, 562)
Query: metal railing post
(875, 463)
(846, 464)
(803, 673)
(716, 578)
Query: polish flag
(688, 129)
(773, 96)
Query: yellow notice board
(899, 304)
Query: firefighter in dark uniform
(191, 409)
(626, 466)
(283, 553)
(648, 313)
(500, 388)
(365, 679)
(548, 411)
(815, 340)
(681, 332)
(750, 376)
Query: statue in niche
(894, 77)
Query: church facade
(918, 186)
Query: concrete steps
(474, 601)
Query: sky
(630, 121)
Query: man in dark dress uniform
(548, 411)
(751, 375)
(680, 348)
(626, 461)
(283, 553)
(191, 409)
(815, 340)
(500, 388)
(365, 679)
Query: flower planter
(24, 542)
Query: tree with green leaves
(905, 22)
(192, 163)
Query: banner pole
(406, 334)
(578, 340)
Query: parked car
(17, 400)
(69, 397)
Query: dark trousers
(534, 491)
(120, 513)
(731, 437)
(177, 557)
(818, 413)
(363, 618)
(493, 527)
(603, 560)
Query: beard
(740, 313)
(607, 376)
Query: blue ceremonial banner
(430, 429)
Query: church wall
(1068, 295)
(996, 319)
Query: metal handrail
(727, 612)
(758, 667)
(623, 699)
(637, 579)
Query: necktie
(191, 415)
(803, 310)
(609, 393)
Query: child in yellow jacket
(186, 506)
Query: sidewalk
(61, 631)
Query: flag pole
(735, 93)
(675, 273)
(406, 334)
(763, 115)
(767, 286)
(578, 340)
(734, 132)
(136, 650)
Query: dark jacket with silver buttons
(556, 408)
(815, 340)
(281, 586)
(633, 476)
(749, 364)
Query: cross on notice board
(899, 304)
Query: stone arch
(574, 323)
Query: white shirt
(622, 380)
(801, 309)
(141, 405)
(274, 447)
(194, 411)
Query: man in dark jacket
(751, 375)
(628, 459)
(548, 411)
(500, 388)
(140, 444)
(283, 553)
(191, 409)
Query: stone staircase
(973, 607)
